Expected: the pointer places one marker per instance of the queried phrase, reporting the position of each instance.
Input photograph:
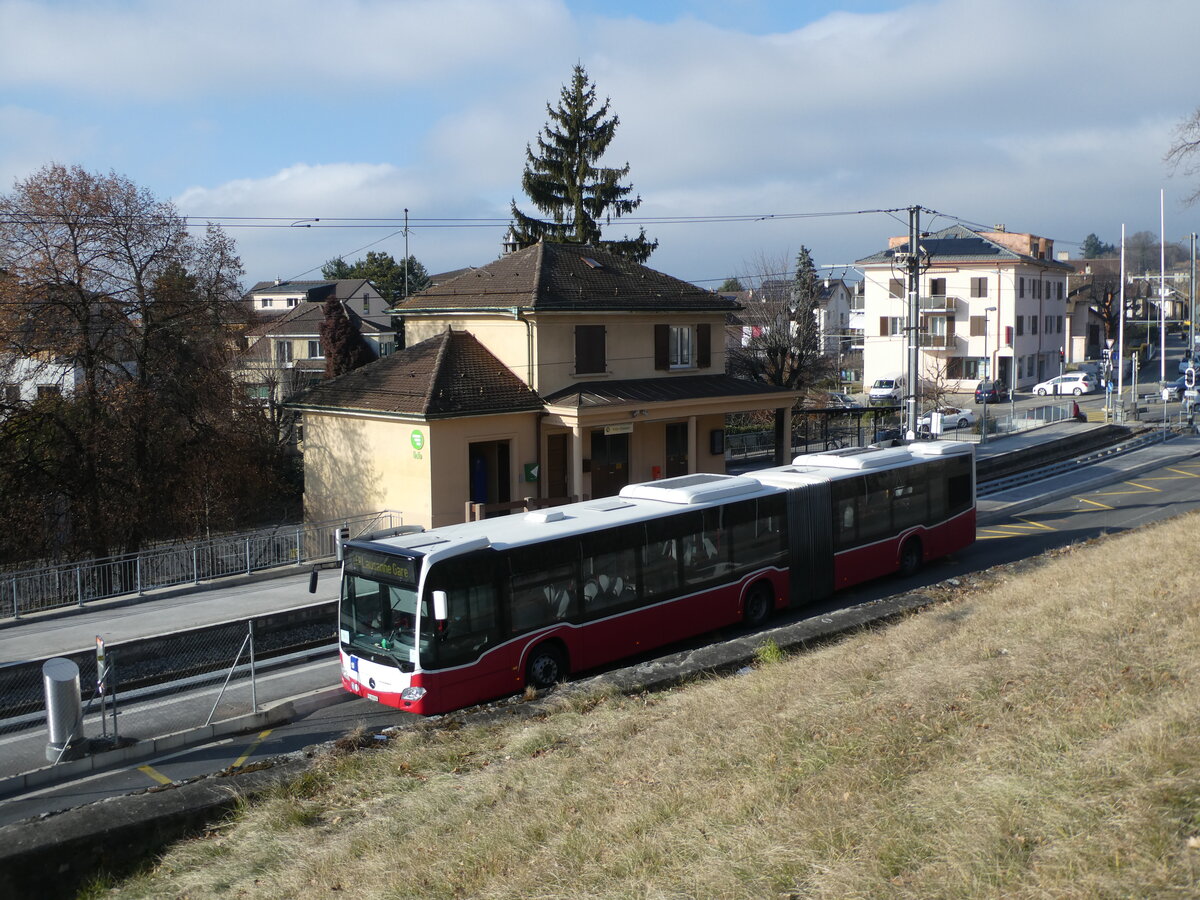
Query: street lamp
(987, 372)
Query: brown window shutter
(978, 326)
(589, 350)
(883, 326)
(703, 346)
(662, 347)
(950, 328)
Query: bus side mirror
(439, 606)
(312, 581)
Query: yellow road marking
(155, 774)
(1094, 503)
(253, 746)
(1145, 489)
(1032, 524)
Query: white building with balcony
(992, 304)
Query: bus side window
(473, 606)
(610, 570)
(755, 528)
(875, 519)
(706, 551)
(845, 512)
(544, 583)
(958, 487)
(910, 504)
(666, 552)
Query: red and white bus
(437, 620)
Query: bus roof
(650, 500)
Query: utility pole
(912, 263)
(406, 253)
(1192, 303)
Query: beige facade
(356, 464)
(551, 374)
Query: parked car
(831, 400)
(991, 392)
(952, 417)
(845, 401)
(888, 389)
(1176, 388)
(1068, 383)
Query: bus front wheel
(910, 557)
(759, 603)
(547, 667)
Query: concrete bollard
(64, 710)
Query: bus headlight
(412, 693)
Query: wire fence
(76, 583)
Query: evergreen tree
(1094, 248)
(730, 285)
(564, 182)
(344, 347)
(384, 272)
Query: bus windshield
(379, 613)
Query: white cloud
(1050, 117)
(176, 49)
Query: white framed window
(283, 352)
(292, 301)
(267, 302)
(315, 350)
(386, 348)
(680, 347)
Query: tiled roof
(342, 288)
(659, 390)
(565, 277)
(305, 319)
(446, 376)
(286, 287)
(958, 244)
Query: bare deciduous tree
(108, 297)
(1184, 155)
(779, 342)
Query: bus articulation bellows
(436, 620)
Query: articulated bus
(436, 620)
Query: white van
(888, 389)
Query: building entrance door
(490, 472)
(610, 463)
(677, 449)
(558, 465)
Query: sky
(751, 127)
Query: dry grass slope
(1036, 738)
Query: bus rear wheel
(910, 557)
(547, 666)
(759, 603)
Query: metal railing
(76, 583)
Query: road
(1151, 496)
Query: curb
(272, 715)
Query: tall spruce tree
(564, 182)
